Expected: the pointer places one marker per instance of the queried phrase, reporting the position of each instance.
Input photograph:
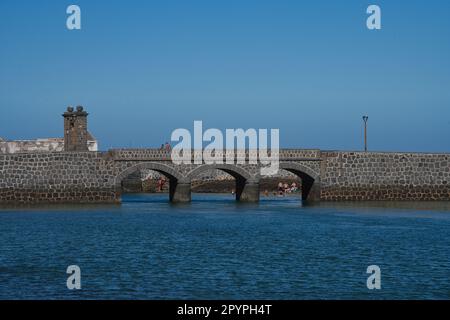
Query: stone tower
(75, 129)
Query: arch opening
(310, 181)
(245, 189)
(283, 184)
(168, 180)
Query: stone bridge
(96, 177)
(304, 163)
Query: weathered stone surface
(83, 177)
(385, 176)
(75, 129)
(41, 145)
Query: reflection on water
(215, 248)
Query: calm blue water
(214, 248)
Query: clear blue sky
(311, 69)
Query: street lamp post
(365, 118)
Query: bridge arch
(247, 186)
(179, 187)
(310, 179)
(235, 171)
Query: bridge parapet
(164, 155)
(300, 154)
(139, 155)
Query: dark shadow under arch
(246, 188)
(176, 180)
(310, 180)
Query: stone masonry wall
(81, 177)
(385, 176)
(92, 177)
